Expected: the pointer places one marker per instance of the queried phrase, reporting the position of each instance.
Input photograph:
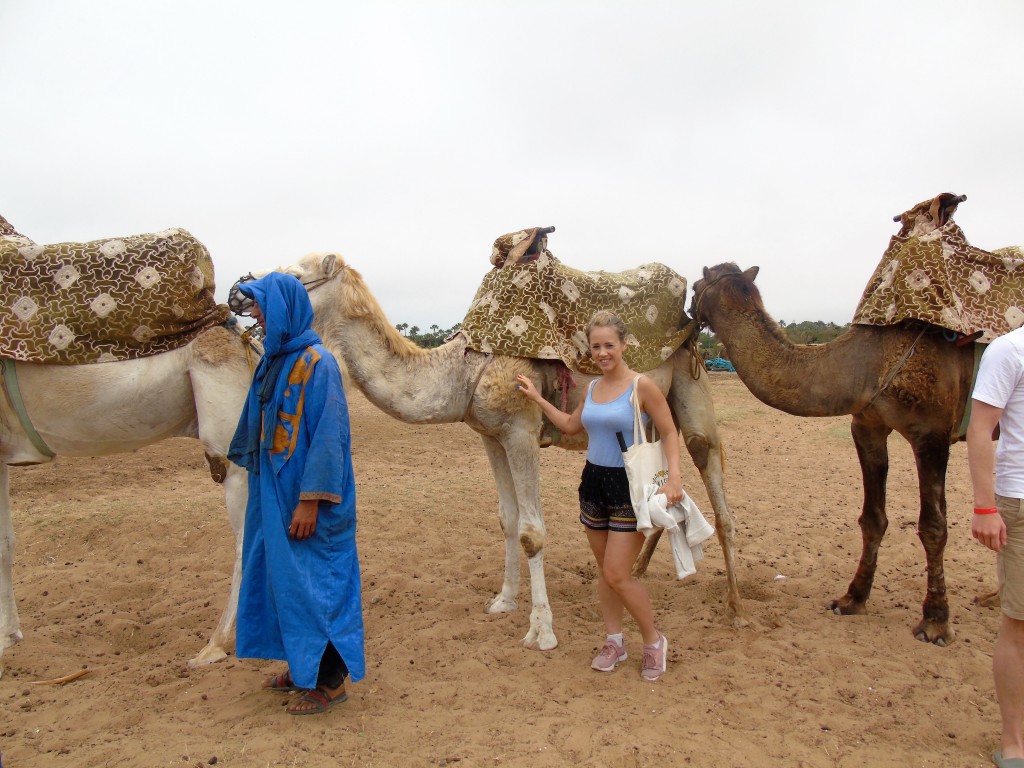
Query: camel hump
(519, 247)
(6, 230)
(535, 307)
(121, 298)
(929, 215)
(930, 273)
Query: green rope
(14, 398)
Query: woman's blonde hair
(605, 319)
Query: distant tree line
(807, 332)
(431, 338)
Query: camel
(453, 383)
(92, 410)
(870, 373)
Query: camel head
(312, 271)
(338, 295)
(724, 284)
(929, 215)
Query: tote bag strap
(638, 429)
(639, 432)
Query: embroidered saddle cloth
(932, 274)
(106, 300)
(531, 305)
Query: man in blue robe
(300, 597)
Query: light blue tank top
(602, 421)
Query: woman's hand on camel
(526, 387)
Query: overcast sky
(409, 135)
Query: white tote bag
(645, 461)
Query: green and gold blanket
(932, 274)
(531, 305)
(106, 300)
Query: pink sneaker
(655, 660)
(611, 654)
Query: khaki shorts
(1010, 561)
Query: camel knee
(699, 449)
(933, 537)
(218, 468)
(531, 540)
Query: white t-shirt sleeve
(1000, 383)
(999, 373)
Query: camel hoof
(988, 600)
(11, 639)
(501, 604)
(943, 637)
(740, 622)
(540, 640)
(846, 606)
(211, 654)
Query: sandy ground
(123, 566)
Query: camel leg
(520, 451)
(10, 632)
(236, 495)
(508, 516)
(643, 560)
(220, 386)
(873, 452)
(932, 455)
(691, 403)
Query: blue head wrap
(288, 320)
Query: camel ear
(751, 273)
(707, 273)
(327, 265)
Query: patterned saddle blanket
(531, 305)
(930, 273)
(106, 300)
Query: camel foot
(988, 600)
(209, 655)
(936, 632)
(10, 639)
(540, 639)
(501, 604)
(740, 621)
(847, 606)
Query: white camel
(104, 408)
(453, 383)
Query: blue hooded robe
(293, 438)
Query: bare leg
(1008, 671)
(617, 590)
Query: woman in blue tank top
(605, 508)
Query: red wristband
(985, 510)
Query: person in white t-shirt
(997, 477)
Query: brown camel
(868, 373)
